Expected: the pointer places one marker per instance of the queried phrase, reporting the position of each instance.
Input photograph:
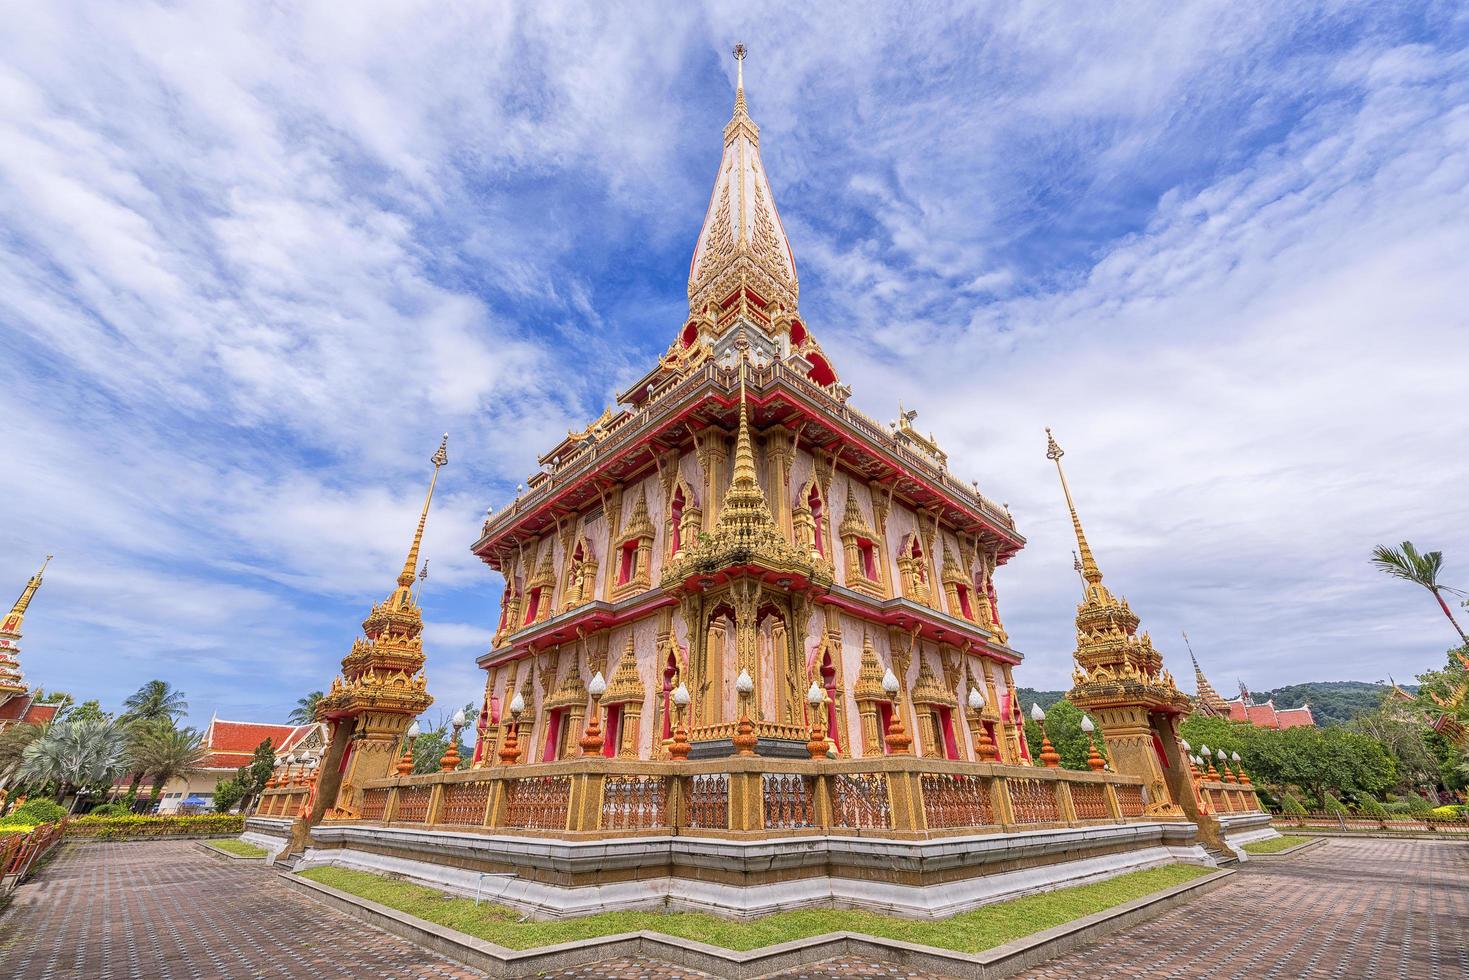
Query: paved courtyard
(1353, 908)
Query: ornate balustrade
(893, 796)
(1226, 798)
(627, 427)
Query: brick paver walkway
(1350, 909)
(169, 911)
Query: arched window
(821, 371)
(818, 517)
(829, 683)
(798, 333)
(675, 522)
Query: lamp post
(897, 740)
(591, 742)
(679, 750)
(1206, 759)
(509, 749)
(816, 698)
(1049, 757)
(745, 738)
(450, 759)
(1224, 767)
(987, 750)
(1094, 759)
(1244, 777)
(405, 764)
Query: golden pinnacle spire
(739, 53)
(17, 612)
(1089, 570)
(410, 564)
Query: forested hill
(1332, 702)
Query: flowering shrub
(131, 827)
(34, 812)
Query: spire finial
(11, 623)
(410, 564)
(1089, 570)
(739, 53)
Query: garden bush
(1412, 805)
(110, 810)
(1453, 811)
(138, 827)
(1335, 807)
(1371, 808)
(1290, 805)
(37, 811)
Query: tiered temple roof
(17, 701)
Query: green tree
(13, 742)
(73, 755)
(229, 791)
(164, 752)
(252, 778)
(304, 713)
(1422, 569)
(88, 711)
(153, 701)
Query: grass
(238, 848)
(1275, 844)
(971, 932)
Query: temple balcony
(661, 419)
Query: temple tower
(734, 514)
(381, 689)
(1119, 679)
(12, 684)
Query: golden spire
(1089, 570)
(1208, 698)
(740, 108)
(410, 564)
(17, 612)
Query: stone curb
(1371, 834)
(1002, 961)
(144, 840)
(227, 855)
(1269, 855)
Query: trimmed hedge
(35, 812)
(141, 827)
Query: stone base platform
(1239, 829)
(550, 878)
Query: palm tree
(165, 752)
(1422, 569)
(13, 742)
(154, 700)
(75, 754)
(305, 711)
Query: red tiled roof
(1237, 711)
(1263, 715)
(1295, 717)
(39, 714)
(228, 760)
(15, 708)
(300, 732)
(244, 736)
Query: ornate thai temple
(750, 656)
(1245, 708)
(17, 701)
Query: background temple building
(1244, 708)
(735, 513)
(17, 701)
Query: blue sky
(254, 260)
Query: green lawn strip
(974, 931)
(238, 848)
(1274, 844)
